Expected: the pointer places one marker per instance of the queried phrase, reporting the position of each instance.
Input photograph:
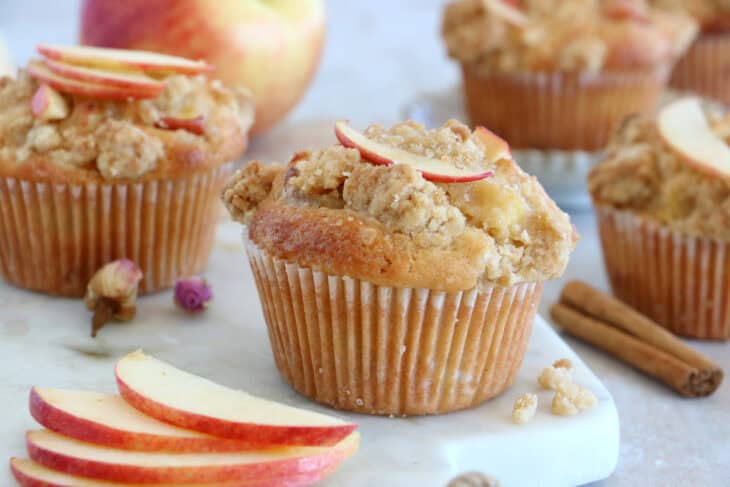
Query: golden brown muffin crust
(643, 175)
(567, 35)
(118, 140)
(333, 211)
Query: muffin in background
(662, 200)
(91, 180)
(562, 75)
(705, 68)
(388, 293)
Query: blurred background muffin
(662, 201)
(562, 75)
(705, 68)
(99, 164)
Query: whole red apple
(271, 47)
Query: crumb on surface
(570, 398)
(474, 479)
(555, 376)
(524, 408)
(563, 363)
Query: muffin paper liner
(559, 110)
(361, 347)
(55, 236)
(680, 281)
(705, 68)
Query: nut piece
(192, 294)
(112, 293)
(524, 408)
(554, 376)
(474, 479)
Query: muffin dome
(333, 211)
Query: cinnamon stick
(610, 325)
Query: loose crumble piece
(554, 376)
(569, 398)
(474, 479)
(524, 408)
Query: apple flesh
(383, 154)
(31, 474)
(73, 457)
(40, 71)
(100, 76)
(123, 59)
(272, 48)
(195, 125)
(48, 104)
(186, 400)
(106, 419)
(508, 12)
(495, 147)
(684, 128)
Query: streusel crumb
(571, 398)
(563, 363)
(524, 408)
(554, 377)
(248, 187)
(474, 479)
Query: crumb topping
(248, 187)
(642, 174)
(118, 139)
(612, 35)
(506, 225)
(524, 408)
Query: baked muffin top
(332, 210)
(565, 35)
(107, 140)
(645, 175)
(712, 15)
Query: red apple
(120, 79)
(508, 11)
(382, 154)
(73, 457)
(40, 71)
(122, 59)
(684, 128)
(48, 104)
(195, 125)
(106, 419)
(272, 48)
(31, 474)
(186, 400)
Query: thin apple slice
(383, 154)
(40, 71)
(119, 79)
(508, 12)
(195, 125)
(106, 419)
(31, 474)
(684, 128)
(87, 460)
(495, 147)
(48, 104)
(122, 59)
(186, 400)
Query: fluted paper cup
(680, 281)
(559, 110)
(705, 68)
(55, 236)
(357, 346)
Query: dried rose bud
(192, 294)
(112, 293)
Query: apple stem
(104, 311)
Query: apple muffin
(544, 80)
(662, 198)
(704, 68)
(109, 154)
(405, 287)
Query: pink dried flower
(112, 293)
(192, 294)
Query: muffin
(662, 200)
(87, 178)
(704, 68)
(386, 291)
(543, 80)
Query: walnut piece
(524, 408)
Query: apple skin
(90, 431)
(48, 104)
(272, 50)
(31, 474)
(98, 467)
(195, 125)
(104, 77)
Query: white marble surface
(381, 54)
